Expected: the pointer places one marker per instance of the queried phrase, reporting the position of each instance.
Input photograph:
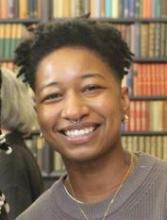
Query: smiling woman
(90, 94)
(76, 68)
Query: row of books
(97, 8)
(151, 38)
(149, 79)
(129, 8)
(147, 116)
(154, 145)
(145, 39)
(50, 161)
(21, 9)
(10, 36)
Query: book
(163, 37)
(108, 5)
(151, 37)
(67, 8)
(48, 159)
(57, 8)
(164, 147)
(32, 9)
(7, 41)
(157, 40)
(58, 162)
(23, 9)
(144, 43)
(156, 116)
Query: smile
(79, 132)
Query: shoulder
(153, 170)
(44, 206)
(38, 209)
(155, 182)
(153, 162)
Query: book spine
(162, 39)
(23, 8)
(108, 6)
(48, 159)
(157, 39)
(115, 9)
(67, 8)
(164, 147)
(151, 39)
(7, 41)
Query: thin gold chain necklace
(113, 198)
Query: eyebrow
(88, 75)
(54, 83)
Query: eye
(54, 97)
(92, 88)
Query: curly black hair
(98, 36)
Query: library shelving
(147, 98)
(143, 25)
(20, 21)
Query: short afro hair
(99, 36)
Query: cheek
(108, 107)
(46, 116)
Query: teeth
(78, 133)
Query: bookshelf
(18, 21)
(143, 25)
(147, 98)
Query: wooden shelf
(148, 98)
(131, 20)
(5, 60)
(20, 21)
(150, 60)
(144, 133)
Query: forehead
(72, 53)
(66, 63)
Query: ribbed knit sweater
(143, 197)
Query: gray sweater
(143, 197)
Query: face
(80, 104)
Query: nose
(74, 108)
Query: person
(76, 67)
(4, 206)
(20, 177)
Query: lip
(78, 126)
(80, 139)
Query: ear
(125, 102)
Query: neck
(86, 184)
